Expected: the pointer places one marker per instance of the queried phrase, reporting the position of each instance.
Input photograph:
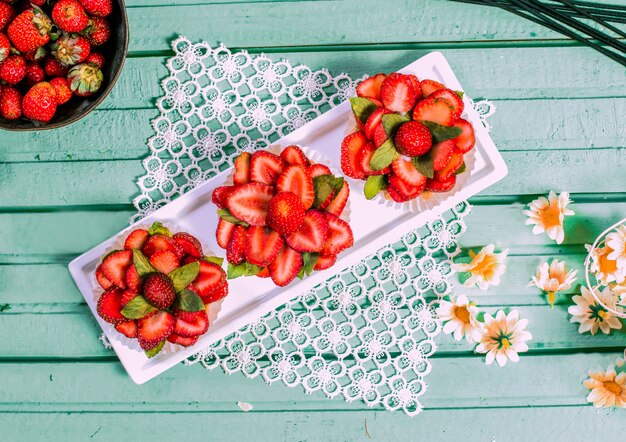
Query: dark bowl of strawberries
(59, 59)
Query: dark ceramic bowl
(115, 52)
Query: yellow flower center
(486, 267)
(613, 387)
(605, 265)
(551, 216)
(504, 343)
(462, 314)
(602, 314)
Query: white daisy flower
(591, 315)
(485, 269)
(553, 278)
(604, 268)
(617, 241)
(504, 338)
(608, 389)
(548, 215)
(459, 317)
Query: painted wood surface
(559, 124)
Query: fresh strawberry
(221, 194)
(242, 169)
(155, 243)
(466, 141)
(325, 262)
(296, 179)
(152, 330)
(133, 280)
(236, 250)
(339, 235)
(417, 87)
(365, 156)
(85, 79)
(158, 290)
(397, 93)
(13, 69)
(102, 280)
(413, 139)
(181, 340)
(454, 99)
(6, 15)
(191, 324)
(350, 148)
(164, 261)
(370, 87)
(10, 103)
(405, 170)
(373, 121)
(70, 16)
(97, 59)
(249, 203)
(285, 213)
(265, 167)
(115, 266)
(437, 110)
(312, 235)
(217, 294)
(264, 273)
(224, 232)
(456, 160)
(127, 296)
(380, 135)
(128, 329)
(404, 189)
(441, 186)
(395, 195)
(441, 153)
(34, 74)
(286, 266)
(262, 245)
(339, 202)
(99, 8)
(293, 155)
(40, 102)
(318, 169)
(430, 86)
(36, 55)
(5, 46)
(98, 31)
(30, 29)
(71, 49)
(189, 243)
(62, 88)
(110, 306)
(209, 278)
(327, 201)
(136, 239)
(53, 68)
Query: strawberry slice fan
(366, 333)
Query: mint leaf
(158, 228)
(461, 169)
(338, 184)
(227, 216)
(155, 351)
(188, 301)
(244, 269)
(373, 185)
(324, 186)
(362, 108)
(391, 123)
(442, 133)
(183, 276)
(308, 264)
(460, 93)
(424, 165)
(214, 259)
(142, 264)
(384, 156)
(137, 308)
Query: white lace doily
(366, 333)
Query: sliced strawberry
(395, 195)
(189, 243)
(437, 110)
(133, 280)
(262, 245)
(325, 262)
(286, 266)
(452, 97)
(264, 273)
(318, 169)
(217, 294)
(350, 148)
(164, 261)
(127, 296)
(224, 232)
(110, 306)
(430, 86)
(373, 121)
(365, 156)
(404, 189)
(339, 202)
(312, 235)
(370, 87)
(128, 329)
(209, 278)
(406, 172)
(236, 250)
(456, 160)
(249, 202)
(136, 239)
(466, 141)
(327, 201)
(152, 330)
(417, 87)
(441, 154)
(181, 340)
(188, 260)
(191, 324)
(380, 135)
(339, 235)
(102, 280)
(220, 195)
(161, 242)
(265, 167)
(115, 266)
(242, 169)
(296, 179)
(397, 93)
(441, 186)
(294, 156)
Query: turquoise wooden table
(559, 125)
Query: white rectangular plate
(374, 226)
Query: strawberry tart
(282, 216)
(158, 287)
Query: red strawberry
(453, 98)
(285, 267)
(250, 202)
(128, 329)
(339, 202)
(456, 160)
(417, 87)
(181, 340)
(127, 296)
(161, 242)
(430, 86)
(325, 262)
(405, 170)
(413, 139)
(264, 273)
(373, 121)
(34, 74)
(164, 261)
(85, 79)
(189, 243)
(262, 245)
(158, 290)
(115, 266)
(242, 169)
(293, 155)
(405, 190)
(265, 167)
(5, 46)
(365, 156)
(191, 324)
(40, 102)
(6, 15)
(466, 141)
(339, 235)
(98, 31)
(236, 250)
(71, 50)
(96, 58)
(437, 110)
(370, 87)
(441, 186)
(393, 193)
(110, 306)
(224, 232)
(152, 330)
(221, 194)
(217, 294)
(30, 30)
(35, 55)
(53, 68)
(209, 278)
(13, 69)
(102, 280)
(312, 235)
(10, 103)
(133, 280)
(285, 213)
(70, 16)
(99, 8)
(441, 154)
(350, 149)
(136, 239)
(62, 88)
(296, 179)
(318, 169)
(397, 93)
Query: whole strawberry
(30, 30)
(98, 32)
(158, 290)
(13, 69)
(53, 68)
(62, 88)
(99, 8)
(39, 103)
(70, 16)
(97, 59)
(70, 50)
(10, 103)
(6, 15)
(85, 79)
(36, 55)
(5, 47)
(285, 213)
(413, 139)
(34, 74)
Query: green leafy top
(157, 228)
(188, 301)
(137, 308)
(227, 216)
(373, 185)
(324, 186)
(384, 155)
(183, 276)
(391, 123)
(142, 263)
(362, 108)
(244, 269)
(442, 133)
